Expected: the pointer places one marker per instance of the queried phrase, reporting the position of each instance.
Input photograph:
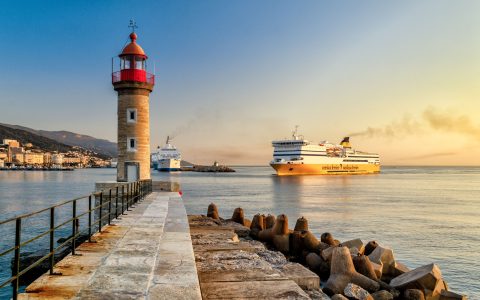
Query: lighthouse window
(131, 115)
(132, 144)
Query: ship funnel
(345, 143)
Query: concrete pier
(145, 254)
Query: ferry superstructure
(298, 156)
(167, 158)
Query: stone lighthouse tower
(133, 84)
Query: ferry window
(132, 144)
(131, 115)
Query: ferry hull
(325, 169)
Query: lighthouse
(133, 85)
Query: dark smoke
(407, 126)
(200, 116)
(432, 118)
(448, 122)
(431, 155)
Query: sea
(425, 214)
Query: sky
(402, 78)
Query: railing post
(109, 206)
(74, 227)
(100, 213)
(123, 196)
(136, 192)
(52, 237)
(16, 267)
(90, 218)
(128, 194)
(116, 201)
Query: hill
(39, 142)
(101, 146)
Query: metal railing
(122, 197)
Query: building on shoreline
(13, 154)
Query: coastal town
(17, 156)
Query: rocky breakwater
(347, 270)
(209, 169)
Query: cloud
(431, 119)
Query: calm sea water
(426, 214)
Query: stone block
(370, 246)
(302, 276)
(364, 266)
(400, 269)
(382, 295)
(338, 297)
(413, 294)
(353, 291)
(282, 289)
(108, 295)
(448, 295)
(239, 275)
(318, 265)
(327, 253)
(179, 291)
(377, 268)
(385, 256)
(328, 238)
(317, 295)
(356, 243)
(343, 272)
(425, 277)
(435, 293)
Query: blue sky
(233, 75)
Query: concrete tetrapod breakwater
(145, 254)
(234, 255)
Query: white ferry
(298, 156)
(167, 158)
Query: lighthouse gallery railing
(133, 75)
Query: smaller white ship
(113, 163)
(167, 158)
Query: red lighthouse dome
(133, 48)
(133, 64)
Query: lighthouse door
(132, 172)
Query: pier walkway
(145, 254)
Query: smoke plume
(431, 118)
(448, 122)
(200, 116)
(430, 155)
